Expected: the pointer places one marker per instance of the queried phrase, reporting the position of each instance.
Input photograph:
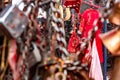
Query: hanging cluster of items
(37, 48)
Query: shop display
(57, 39)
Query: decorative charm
(74, 43)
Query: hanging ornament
(67, 13)
(75, 4)
(74, 43)
(87, 21)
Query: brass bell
(114, 16)
(111, 40)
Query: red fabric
(86, 24)
(12, 59)
(75, 4)
(73, 44)
(87, 57)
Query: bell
(114, 16)
(111, 40)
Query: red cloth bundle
(86, 24)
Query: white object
(95, 68)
